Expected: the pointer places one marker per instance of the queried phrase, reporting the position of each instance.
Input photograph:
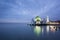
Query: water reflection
(47, 28)
(37, 30)
(53, 28)
(40, 29)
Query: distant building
(47, 19)
(54, 22)
(37, 20)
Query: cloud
(26, 9)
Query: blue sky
(25, 10)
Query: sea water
(22, 31)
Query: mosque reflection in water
(40, 29)
(37, 30)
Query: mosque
(38, 20)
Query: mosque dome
(37, 18)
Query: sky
(25, 10)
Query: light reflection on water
(40, 29)
(47, 28)
(19, 31)
(37, 30)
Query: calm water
(21, 31)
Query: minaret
(47, 19)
